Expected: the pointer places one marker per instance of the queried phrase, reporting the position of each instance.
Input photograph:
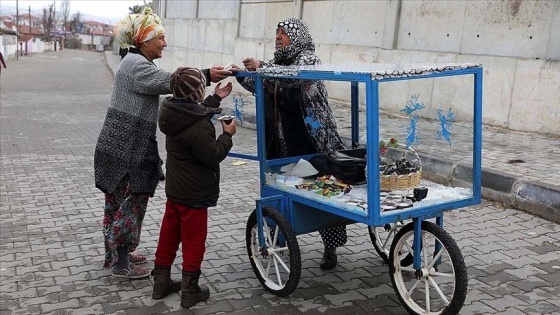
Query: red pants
(182, 224)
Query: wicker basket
(405, 181)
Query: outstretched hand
(235, 68)
(251, 63)
(218, 73)
(224, 91)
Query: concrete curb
(540, 199)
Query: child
(192, 184)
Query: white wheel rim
(384, 239)
(433, 292)
(274, 268)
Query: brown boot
(163, 285)
(192, 292)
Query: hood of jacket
(177, 114)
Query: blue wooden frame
(331, 213)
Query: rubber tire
(457, 260)
(377, 244)
(291, 243)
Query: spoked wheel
(382, 237)
(278, 264)
(440, 286)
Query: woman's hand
(251, 63)
(224, 91)
(235, 68)
(218, 73)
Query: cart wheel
(382, 237)
(440, 286)
(278, 266)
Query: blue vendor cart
(427, 269)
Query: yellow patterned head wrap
(135, 29)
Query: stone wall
(516, 41)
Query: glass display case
(410, 126)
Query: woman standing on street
(298, 118)
(126, 155)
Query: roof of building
(7, 32)
(9, 24)
(95, 23)
(25, 37)
(35, 31)
(26, 16)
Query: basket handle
(413, 151)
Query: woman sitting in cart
(298, 119)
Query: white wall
(513, 28)
(516, 41)
(8, 46)
(88, 39)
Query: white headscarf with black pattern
(300, 40)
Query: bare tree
(48, 22)
(138, 8)
(76, 24)
(135, 9)
(65, 12)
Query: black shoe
(329, 259)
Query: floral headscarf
(300, 39)
(135, 29)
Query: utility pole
(17, 29)
(26, 51)
(54, 19)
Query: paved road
(52, 107)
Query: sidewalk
(518, 169)
(51, 223)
